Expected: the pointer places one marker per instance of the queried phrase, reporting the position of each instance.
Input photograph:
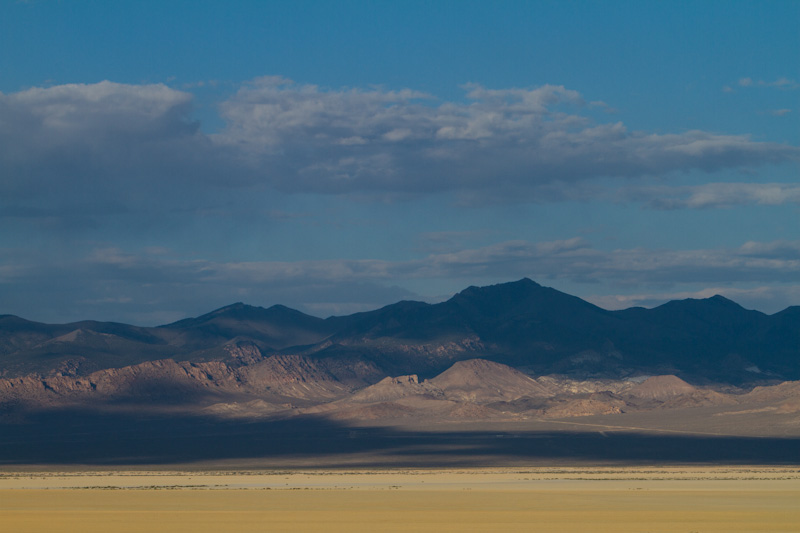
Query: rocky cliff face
(292, 384)
(166, 381)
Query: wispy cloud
(779, 83)
(158, 281)
(574, 259)
(779, 112)
(714, 195)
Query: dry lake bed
(554, 499)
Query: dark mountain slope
(519, 323)
(406, 320)
(532, 324)
(714, 337)
(778, 342)
(76, 348)
(273, 328)
(83, 347)
(522, 324)
(19, 334)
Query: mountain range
(536, 329)
(517, 359)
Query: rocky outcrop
(389, 389)
(595, 404)
(290, 376)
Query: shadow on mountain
(84, 437)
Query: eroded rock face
(153, 380)
(394, 388)
(251, 385)
(291, 376)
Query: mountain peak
(716, 302)
(721, 300)
(236, 309)
(238, 306)
(520, 287)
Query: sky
(159, 160)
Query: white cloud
(104, 106)
(779, 83)
(773, 250)
(511, 143)
(715, 195)
(136, 144)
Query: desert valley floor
(692, 470)
(618, 499)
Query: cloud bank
(123, 145)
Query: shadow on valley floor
(84, 437)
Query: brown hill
(661, 388)
(671, 392)
(389, 389)
(781, 391)
(481, 381)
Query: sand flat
(520, 478)
(614, 499)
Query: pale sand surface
(714, 499)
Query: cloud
(780, 112)
(101, 149)
(779, 250)
(447, 241)
(714, 195)
(125, 285)
(107, 148)
(573, 259)
(779, 83)
(576, 261)
(507, 143)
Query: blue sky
(161, 159)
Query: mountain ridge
(523, 324)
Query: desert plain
(552, 499)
